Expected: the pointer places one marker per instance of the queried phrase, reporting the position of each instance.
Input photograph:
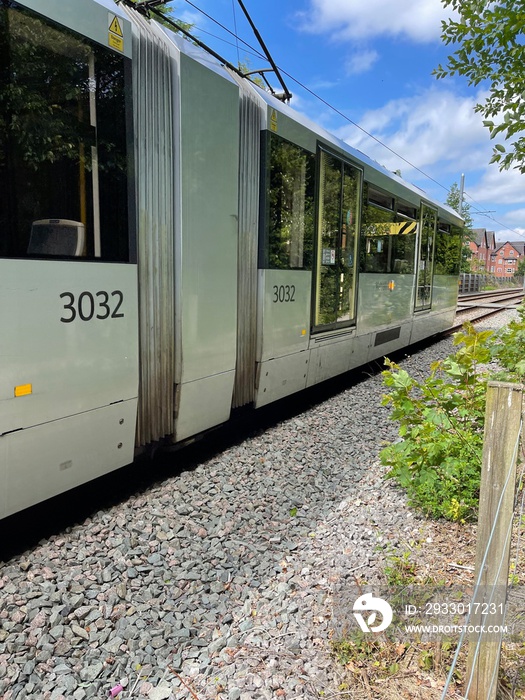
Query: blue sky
(373, 60)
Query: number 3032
(283, 293)
(88, 306)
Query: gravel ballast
(216, 583)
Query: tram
(176, 243)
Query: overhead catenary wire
(350, 121)
(235, 29)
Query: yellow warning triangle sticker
(115, 27)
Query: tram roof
(203, 57)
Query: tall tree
(491, 53)
(454, 200)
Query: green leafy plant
(438, 457)
(508, 347)
(400, 571)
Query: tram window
(376, 229)
(403, 246)
(407, 211)
(448, 249)
(388, 234)
(338, 214)
(382, 199)
(404, 241)
(63, 139)
(288, 227)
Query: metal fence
(476, 282)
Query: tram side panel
(285, 257)
(284, 320)
(68, 396)
(385, 311)
(206, 262)
(68, 291)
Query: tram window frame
(292, 252)
(77, 164)
(387, 253)
(381, 199)
(408, 211)
(403, 254)
(334, 293)
(403, 249)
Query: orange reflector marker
(23, 390)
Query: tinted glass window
(448, 249)
(425, 269)
(376, 227)
(403, 245)
(63, 142)
(289, 207)
(388, 235)
(338, 211)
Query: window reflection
(389, 230)
(63, 153)
(290, 206)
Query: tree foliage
(167, 12)
(453, 200)
(491, 53)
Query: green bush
(438, 457)
(508, 347)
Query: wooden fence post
(496, 505)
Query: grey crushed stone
(220, 579)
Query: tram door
(425, 262)
(340, 187)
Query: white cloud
(353, 19)
(516, 217)
(515, 234)
(436, 126)
(502, 187)
(361, 62)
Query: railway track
(475, 307)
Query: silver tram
(176, 243)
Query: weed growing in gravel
(438, 459)
(438, 456)
(401, 571)
(359, 651)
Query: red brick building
(492, 257)
(482, 248)
(504, 260)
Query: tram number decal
(283, 293)
(88, 306)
